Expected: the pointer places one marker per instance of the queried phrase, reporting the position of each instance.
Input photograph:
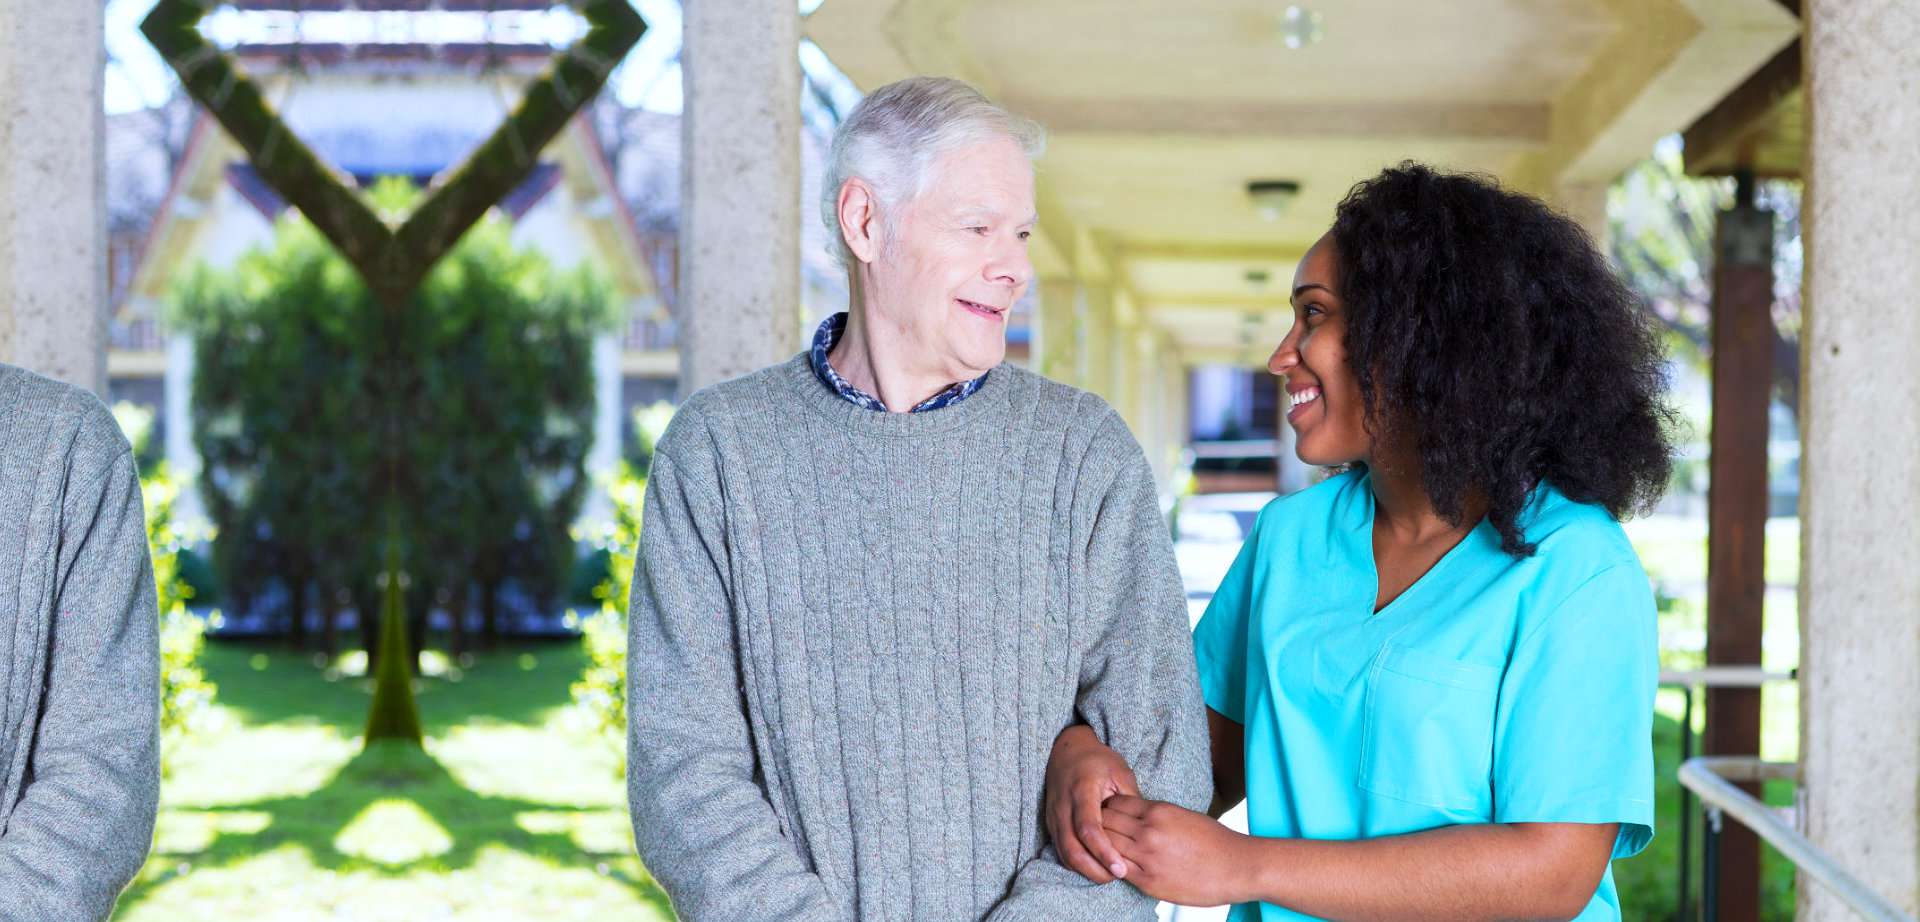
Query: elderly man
(876, 580)
(79, 659)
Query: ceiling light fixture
(1299, 27)
(1271, 197)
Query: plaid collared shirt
(829, 333)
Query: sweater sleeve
(85, 818)
(1138, 689)
(704, 827)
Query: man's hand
(1177, 855)
(1081, 774)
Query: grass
(278, 815)
(1675, 555)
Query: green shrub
(589, 578)
(318, 416)
(196, 573)
(600, 696)
(186, 697)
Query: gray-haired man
(877, 580)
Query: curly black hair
(1487, 330)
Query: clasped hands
(1102, 828)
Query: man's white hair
(894, 134)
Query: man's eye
(978, 230)
(1025, 235)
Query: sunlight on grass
(279, 815)
(393, 831)
(1674, 553)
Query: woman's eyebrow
(1300, 288)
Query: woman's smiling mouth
(1301, 400)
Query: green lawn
(1676, 559)
(278, 815)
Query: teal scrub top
(1492, 690)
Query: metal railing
(1712, 779)
(1687, 680)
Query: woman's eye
(1025, 234)
(977, 230)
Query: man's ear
(860, 219)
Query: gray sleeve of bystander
(1139, 688)
(84, 821)
(704, 828)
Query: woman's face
(1326, 414)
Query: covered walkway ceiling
(1161, 113)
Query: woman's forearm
(1494, 871)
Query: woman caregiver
(1431, 675)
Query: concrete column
(1054, 329)
(603, 459)
(1097, 336)
(183, 460)
(739, 304)
(1586, 203)
(1860, 440)
(1127, 364)
(53, 224)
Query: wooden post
(1737, 511)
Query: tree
(295, 394)
(1663, 243)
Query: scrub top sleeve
(1573, 732)
(1220, 639)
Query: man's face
(956, 261)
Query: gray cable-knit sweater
(79, 661)
(854, 636)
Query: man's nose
(1010, 264)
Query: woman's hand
(1177, 855)
(1081, 774)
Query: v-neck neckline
(1373, 562)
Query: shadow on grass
(516, 683)
(314, 822)
(519, 684)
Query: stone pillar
(603, 459)
(1054, 329)
(1860, 459)
(183, 460)
(739, 304)
(53, 225)
(1097, 337)
(1127, 362)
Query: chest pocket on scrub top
(1429, 730)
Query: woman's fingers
(1088, 828)
(1129, 805)
(1124, 828)
(1072, 851)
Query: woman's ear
(859, 219)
